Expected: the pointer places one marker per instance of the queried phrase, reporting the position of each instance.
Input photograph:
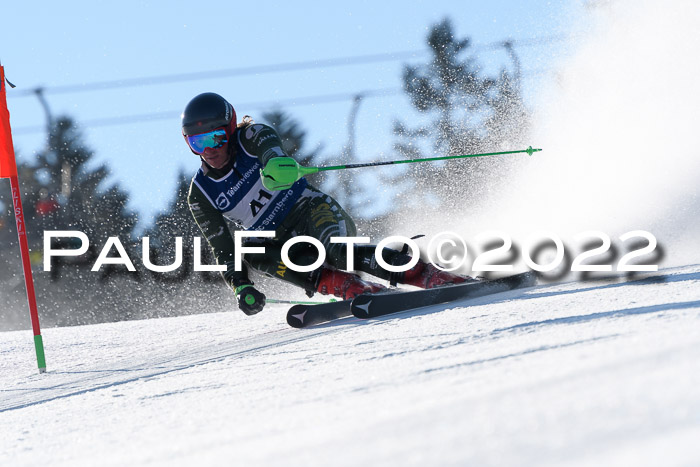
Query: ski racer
(228, 185)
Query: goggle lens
(213, 139)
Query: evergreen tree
(344, 186)
(292, 135)
(509, 121)
(60, 192)
(85, 203)
(472, 113)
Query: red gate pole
(8, 169)
(28, 278)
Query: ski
(301, 316)
(372, 305)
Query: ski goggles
(213, 139)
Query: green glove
(250, 300)
(280, 173)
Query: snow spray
(617, 120)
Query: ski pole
(297, 302)
(281, 173)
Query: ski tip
(296, 315)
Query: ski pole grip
(280, 173)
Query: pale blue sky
(54, 44)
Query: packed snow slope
(579, 373)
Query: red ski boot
(345, 285)
(427, 276)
